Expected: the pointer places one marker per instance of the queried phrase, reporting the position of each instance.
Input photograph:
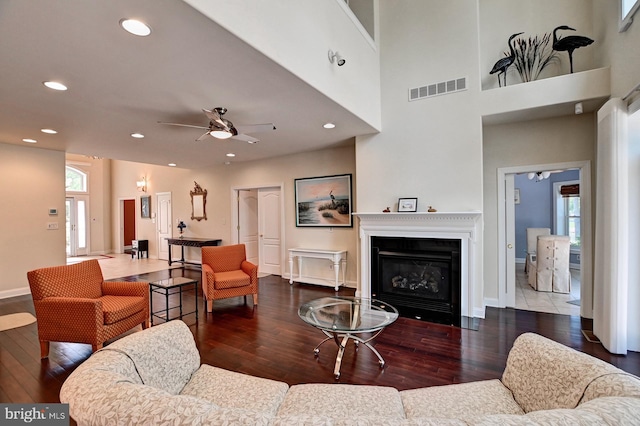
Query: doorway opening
(258, 222)
(511, 260)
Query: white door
(269, 230)
(510, 233)
(164, 224)
(248, 223)
(77, 232)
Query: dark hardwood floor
(271, 341)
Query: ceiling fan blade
(183, 125)
(246, 138)
(203, 136)
(214, 116)
(256, 128)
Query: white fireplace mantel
(463, 226)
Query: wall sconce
(336, 57)
(142, 185)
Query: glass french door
(77, 233)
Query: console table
(189, 242)
(337, 257)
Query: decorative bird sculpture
(501, 66)
(569, 43)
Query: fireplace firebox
(418, 276)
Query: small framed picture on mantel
(407, 204)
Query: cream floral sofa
(154, 377)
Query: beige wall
(32, 182)
(556, 140)
(617, 50)
(499, 19)
(219, 181)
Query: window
(567, 211)
(627, 9)
(572, 219)
(75, 180)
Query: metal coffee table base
(341, 340)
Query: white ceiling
(120, 84)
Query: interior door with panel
(248, 223)
(164, 224)
(269, 219)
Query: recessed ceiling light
(55, 85)
(137, 135)
(29, 140)
(328, 125)
(49, 131)
(231, 154)
(135, 27)
(172, 164)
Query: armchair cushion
(231, 279)
(117, 308)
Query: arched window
(75, 180)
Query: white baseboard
(479, 312)
(14, 292)
(493, 302)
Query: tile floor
(122, 265)
(556, 303)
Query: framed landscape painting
(324, 201)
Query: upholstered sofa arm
(207, 271)
(54, 326)
(249, 269)
(124, 288)
(543, 374)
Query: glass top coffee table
(342, 318)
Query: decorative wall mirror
(198, 203)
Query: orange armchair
(227, 273)
(73, 303)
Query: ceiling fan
(221, 128)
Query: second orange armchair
(227, 273)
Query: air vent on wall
(437, 89)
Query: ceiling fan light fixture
(221, 134)
(135, 27)
(55, 85)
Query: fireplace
(418, 276)
(452, 229)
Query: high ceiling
(119, 84)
